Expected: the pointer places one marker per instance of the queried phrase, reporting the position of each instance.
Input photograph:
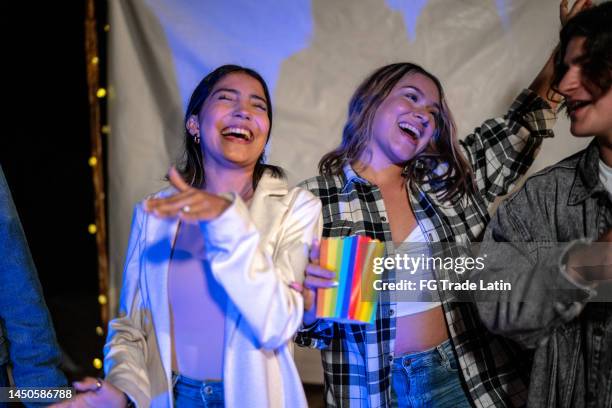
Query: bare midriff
(427, 329)
(197, 309)
(420, 331)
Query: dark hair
(595, 25)
(444, 147)
(191, 166)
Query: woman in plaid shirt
(401, 174)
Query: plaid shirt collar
(349, 176)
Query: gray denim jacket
(568, 336)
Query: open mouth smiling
(412, 131)
(238, 133)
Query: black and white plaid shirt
(357, 358)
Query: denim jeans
(197, 394)
(428, 378)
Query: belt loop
(442, 352)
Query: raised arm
(501, 150)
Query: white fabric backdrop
(313, 54)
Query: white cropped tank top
(409, 307)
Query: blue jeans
(197, 394)
(428, 378)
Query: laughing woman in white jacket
(207, 307)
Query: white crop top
(406, 307)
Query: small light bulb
(102, 299)
(101, 93)
(92, 229)
(93, 160)
(97, 363)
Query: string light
(96, 159)
(97, 363)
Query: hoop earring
(196, 138)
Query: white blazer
(254, 254)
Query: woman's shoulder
(278, 186)
(302, 206)
(303, 196)
(322, 182)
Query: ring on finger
(186, 209)
(98, 384)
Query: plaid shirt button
(383, 218)
(391, 312)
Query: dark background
(44, 155)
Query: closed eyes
(225, 97)
(231, 97)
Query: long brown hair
(455, 181)
(191, 166)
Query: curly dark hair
(191, 166)
(595, 25)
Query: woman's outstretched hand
(190, 204)
(95, 393)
